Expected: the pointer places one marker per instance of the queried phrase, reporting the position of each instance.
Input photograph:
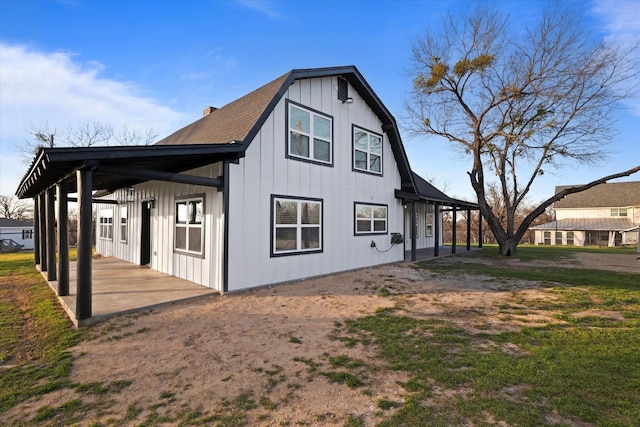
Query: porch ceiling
(55, 165)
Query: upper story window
(618, 211)
(105, 222)
(296, 225)
(367, 151)
(189, 225)
(310, 134)
(370, 219)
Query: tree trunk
(508, 246)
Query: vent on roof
(208, 111)
(343, 91)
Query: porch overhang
(121, 167)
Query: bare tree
(13, 208)
(88, 134)
(519, 106)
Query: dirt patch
(266, 351)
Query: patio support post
(480, 230)
(413, 231)
(454, 226)
(63, 241)
(468, 229)
(43, 231)
(83, 274)
(436, 229)
(51, 234)
(36, 230)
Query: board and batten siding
(266, 171)
(633, 213)
(205, 270)
(422, 240)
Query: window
(547, 237)
(310, 135)
(297, 225)
(558, 237)
(367, 151)
(429, 221)
(370, 219)
(569, 237)
(618, 211)
(105, 230)
(27, 234)
(189, 216)
(123, 224)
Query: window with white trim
(123, 224)
(296, 225)
(189, 225)
(370, 219)
(429, 221)
(310, 134)
(558, 237)
(618, 211)
(570, 237)
(105, 222)
(367, 151)
(547, 237)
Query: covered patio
(119, 287)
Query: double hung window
(123, 224)
(367, 151)
(105, 224)
(310, 134)
(297, 225)
(429, 221)
(370, 219)
(189, 225)
(618, 211)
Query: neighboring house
(20, 232)
(604, 215)
(305, 176)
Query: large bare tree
(13, 208)
(519, 102)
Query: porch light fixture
(348, 101)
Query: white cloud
(261, 6)
(38, 88)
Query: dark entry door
(145, 237)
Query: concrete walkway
(119, 287)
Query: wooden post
(454, 227)
(43, 231)
(413, 231)
(51, 234)
(63, 241)
(437, 223)
(83, 271)
(36, 230)
(468, 229)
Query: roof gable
(615, 194)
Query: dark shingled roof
(233, 122)
(6, 222)
(615, 194)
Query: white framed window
(367, 151)
(547, 237)
(618, 211)
(428, 220)
(370, 218)
(570, 237)
(123, 224)
(296, 225)
(310, 134)
(189, 226)
(558, 237)
(105, 224)
(27, 234)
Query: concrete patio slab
(119, 287)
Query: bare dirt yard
(263, 353)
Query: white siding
(205, 270)
(265, 171)
(16, 234)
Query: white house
(604, 215)
(304, 176)
(15, 233)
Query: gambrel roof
(224, 134)
(615, 194)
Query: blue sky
(157, 64)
